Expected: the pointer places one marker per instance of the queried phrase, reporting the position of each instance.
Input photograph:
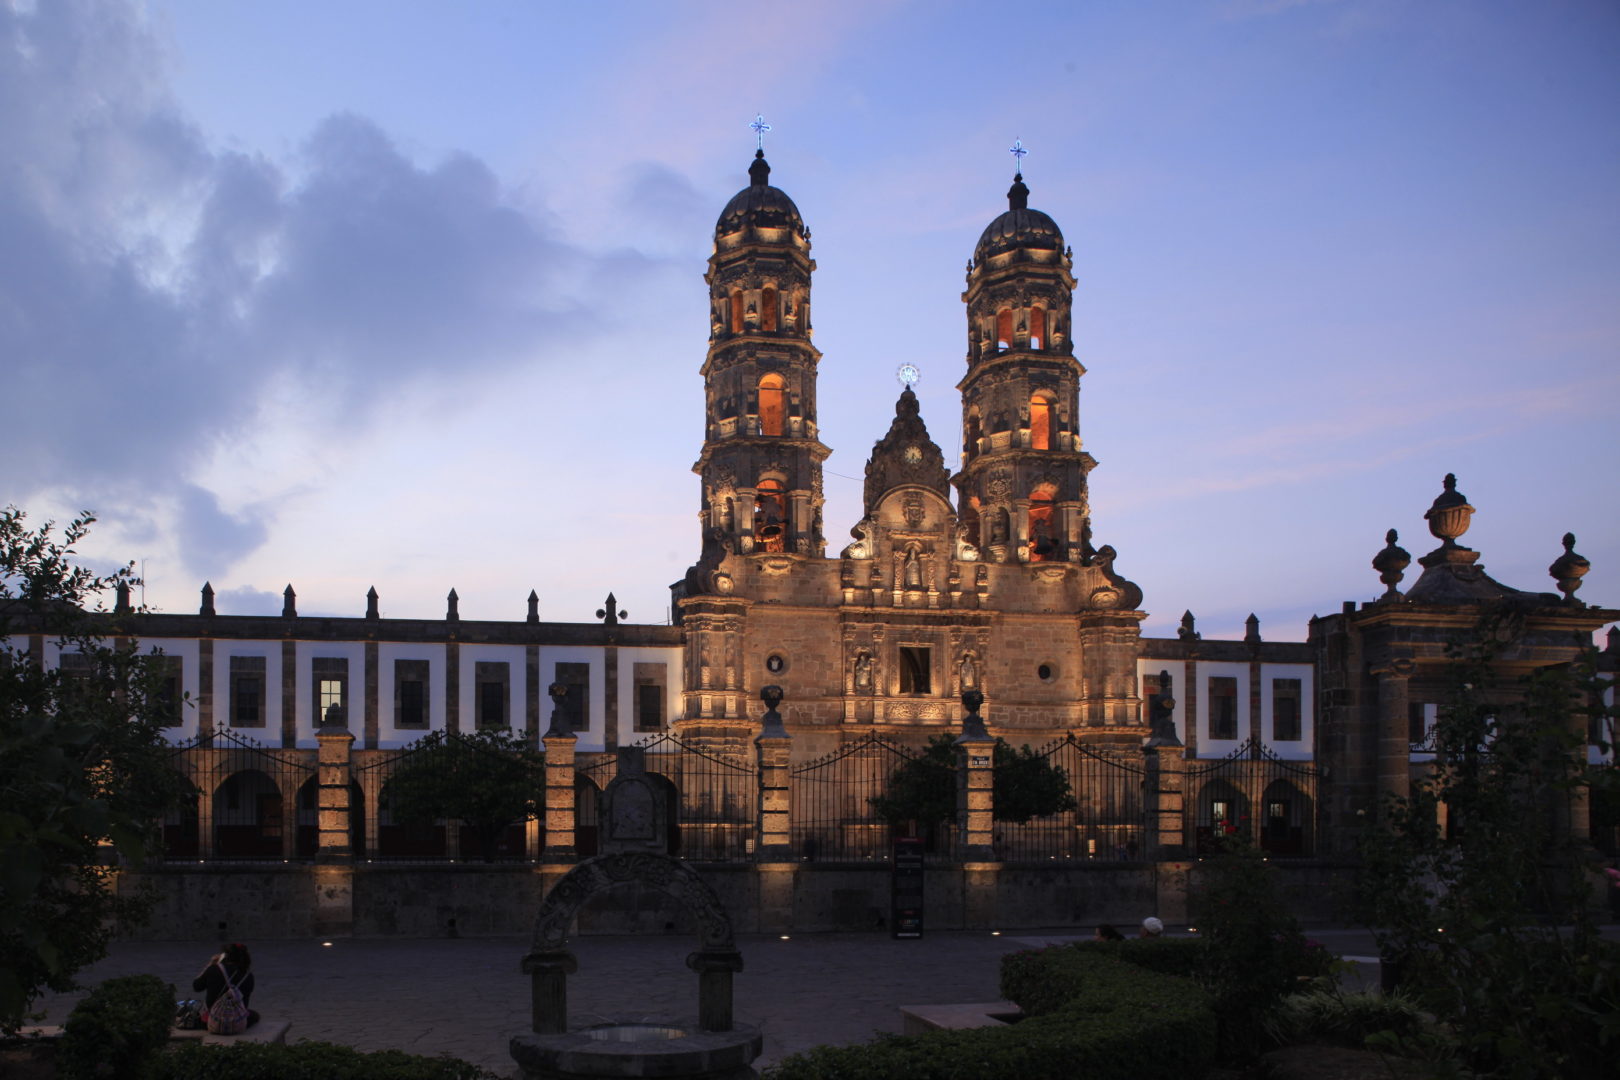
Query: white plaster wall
(591, 739)
(271, 651)
(1304, 748)
(1206, 670)
(513, 657)
(355, 706)
(1178, 675)
(674, 669)
(389, 736)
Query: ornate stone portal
(714, 1047)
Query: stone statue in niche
(863, 670)
(911, 570)
(969, 671)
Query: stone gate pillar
(773, 851)
(559, 812)
(975, 809)
(333, 876)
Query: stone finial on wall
(207, 606)
(1391, 564)
(289, 603)
(371, 603)
(1449, 515)
(1187, 630)
(1568, 569)
(1251, 629)
(771, 723)
(610, 614)
(452, 607)
(534, 607)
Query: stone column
(559, 813)
(975, 808)
(715, 968)
(1167, 790)
(332, 778)
(333, 878)
(548, 974)
(773, 850)
(1394, 735)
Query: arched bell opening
(770, 516)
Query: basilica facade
(975, 581)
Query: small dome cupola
(1019, 227)
(759, 211)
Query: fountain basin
(639, 1049)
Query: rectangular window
(330, 676)
(915, 670)
(1285, 711)
(170, 699)
(247, 691)
(493, 679)
(1223, 707)
(410, 693)
(577, 705)
(76, 670)
(650, 682)
(1417, 723)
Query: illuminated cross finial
(908, 375)
(1017, 151)
(759, 127)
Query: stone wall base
(214, 902)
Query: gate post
(333, 876)
(332, 799)
(773, 851)
(559, 817)
(975, 809)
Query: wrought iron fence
(834, 804)
(1109, 821)
(431, 763)
(249, 801)
(715, 798)
(1255, 793)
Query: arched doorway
(249, 817)
(1285, 824)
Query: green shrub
(306, 1061)
(1323, 1016)
(1114, 1020)
(116, 1029)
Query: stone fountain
(711, 1047)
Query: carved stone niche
(635, 812)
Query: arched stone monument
(714, 1048)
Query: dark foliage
(84, 766)
(487, 779)
(305, 1061)
(117, 1029)
(923, 790)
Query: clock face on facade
(913, 455)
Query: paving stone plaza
(466, 997)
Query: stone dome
(1019, 227)
(759, 205)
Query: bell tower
(1022, 486)
(761, 460)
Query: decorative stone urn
(1448, 516)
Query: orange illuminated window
(1037, 327)
(771, 404)
(770, 516)
(1042, 545)
(736, 312)
(970, 437)
(1040, 422)
(1004, 332)
(767, 304)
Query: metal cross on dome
(1017, 151)
(908, 375)
(759, 127)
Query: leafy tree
(83, 761)
(1025, 785)
(488, 779)
(1470, 911)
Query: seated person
(233, 963)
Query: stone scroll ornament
(660, 872)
